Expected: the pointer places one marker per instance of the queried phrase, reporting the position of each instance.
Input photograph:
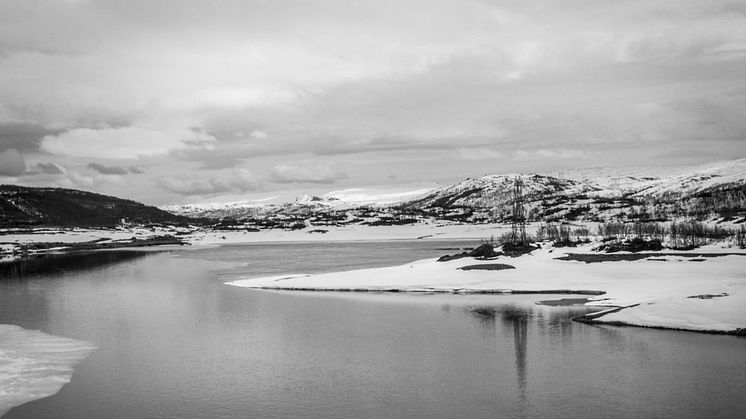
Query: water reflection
(518, 319)
(515, 320)
(55, 264)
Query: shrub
(741, 236)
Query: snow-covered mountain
(495, 190)
(492, 190)
(703, 179)
(595, 194)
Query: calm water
(173, 341)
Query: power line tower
(518, 231)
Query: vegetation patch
(605, 257)
(637, 244)
(518, 249)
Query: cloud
(451, 81)
(259, 135)
(478, 153)
(136, 170)
(558, 153)
(124, 143)
(242, 180)
(24, 137)
(108, 170)
(12, 163)
(306, 174)
(50, 169)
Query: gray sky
(185, 100)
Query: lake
(174, 341)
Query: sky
(176, 101)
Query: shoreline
(434, 291)
(705, 294)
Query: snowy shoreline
(684, 292)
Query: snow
(699, 179)
(380, 196)
(335, 200)
(82, 235)
(659, 180)
(34, 365)
(355, 232)
(660, 288)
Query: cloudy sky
(190, 100)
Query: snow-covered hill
(495, 190)
(717, 176)
(596, 194)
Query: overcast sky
(186, 100)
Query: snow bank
(659, 287)
(34, 365)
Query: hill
(27, 206)
(600, 195)
(715, 189)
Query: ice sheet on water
(34, 364)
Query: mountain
(495, 190)
(27, 206)
(626, 194)
(599, 194)
(715, 188)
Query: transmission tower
(518, 231)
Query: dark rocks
(637, 244)
(483, 251)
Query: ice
(34, 365)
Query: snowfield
(680, 292)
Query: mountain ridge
(42, 206)
(714, 187)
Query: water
(173, 341)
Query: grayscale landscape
(372, 209)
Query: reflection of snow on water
(34, 364)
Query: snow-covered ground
(430, 230)
(208, 237)
(11, 242)
(659, 288)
